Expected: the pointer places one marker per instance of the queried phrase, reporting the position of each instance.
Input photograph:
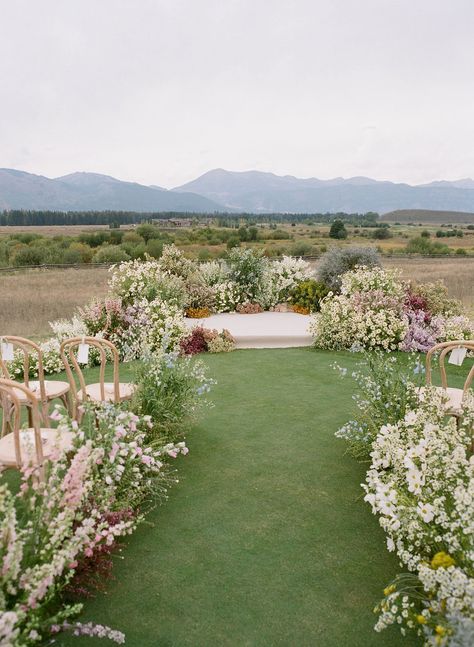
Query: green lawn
(266, 540)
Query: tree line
(25, 218)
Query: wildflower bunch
(376, 309)
(170, 389)
(52, 526)
(386, 389)
(137, 280)
(421, 485)
(174, 263)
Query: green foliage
(25, 255)
(437, 300)
(301, 248)
(308, 294)
(339, 260)
(381, 233)
(338, 231)
(170, 390)
(419, 245)
(110, 254)
(386, 390)
(148, 232)
(247, 269)
(233, 241)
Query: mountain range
(221, 190)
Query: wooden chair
(101, 391)
(30, 446)
(455, 395)
(45, 390)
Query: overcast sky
(160, 91)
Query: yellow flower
(440, 630)
(389, 589)
(421, 619)
(442, 560)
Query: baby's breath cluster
(421, 486)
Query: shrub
(339, 260)
(137, 280)
(174, 262)
(233, 241)
(154, 248)
(435, 298)
(199, 295)
(301, 248)
(338, 230)
(308, 295)
(386, 390)
(247, 271)
(421, 245)
(169, 390)
(212, 273)
(110, 254)
(24, 255)
(381, 233)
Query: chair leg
(66, 399)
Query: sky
(159, 92)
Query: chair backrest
(28, 348)
(12, 407)
(69, 358)
(443, 349)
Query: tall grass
(31, 298)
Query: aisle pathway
(265, 541)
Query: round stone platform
(262, 330)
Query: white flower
(426, 511)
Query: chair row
(73, 392)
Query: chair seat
(454, 404)
(54, 389)
(126, 390)
(50, 440)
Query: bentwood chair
(21, 448)
(455, 395)
(45, 390)
(101, 391)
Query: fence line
(81, 266)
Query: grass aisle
(266, 540)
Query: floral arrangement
(376, 309)
(198, 313)
(170, 389)
(52, 527)
(386, 390)
(421, 485)
(137, 280)
(202, 340)
(307, 295)
(249, 308)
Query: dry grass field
(457, 274)
(55, 230)
(31, 298)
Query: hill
(255, 191)
(92, 191)
(425, 215)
